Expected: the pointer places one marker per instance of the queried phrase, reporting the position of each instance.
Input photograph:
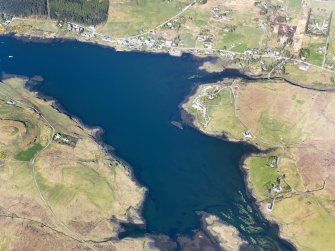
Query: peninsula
(286, 109)
(293, 177)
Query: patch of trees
(79, 11)
(23, 7)
(304, 52)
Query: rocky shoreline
(133, 214)
(96, 131)
(226, 236)
(189, 119)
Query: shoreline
(61, 39)
(95, 132)
(243, 244)
(189, 120)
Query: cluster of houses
(147, 42)
(74, 27)
(161, 42)
(65, 139)
(276, 188)
(217, 13)
(84, 32)
(175, 24)
(197, 104)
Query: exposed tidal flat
(134, 97)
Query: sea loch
(134, 97)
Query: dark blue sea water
(134, 97)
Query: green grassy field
(21, 177)
(29, 153)
(129, 18)
(312, 228)
(278, 131)
(3, 111)
(57, 194)
(89, 182)
(221, 108)
(313, 77)
(84, 180)
(262, 176)
(289, 168)
(198, 17)
(187, 39)
(315, 56)
(61, 178)
(239, 40)
(294, 7)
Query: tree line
(89, 12)
(80, 11)
(23, 7)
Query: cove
(134, 97)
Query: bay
(134, 97)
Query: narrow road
(283, 150)
(162, 24)
(146, 32)
(12, 215)
(194, 49)
(276, 66)
(325, 52)
(255, 55)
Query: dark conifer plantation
(89, 12)
(23, 7)
(80, 11)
